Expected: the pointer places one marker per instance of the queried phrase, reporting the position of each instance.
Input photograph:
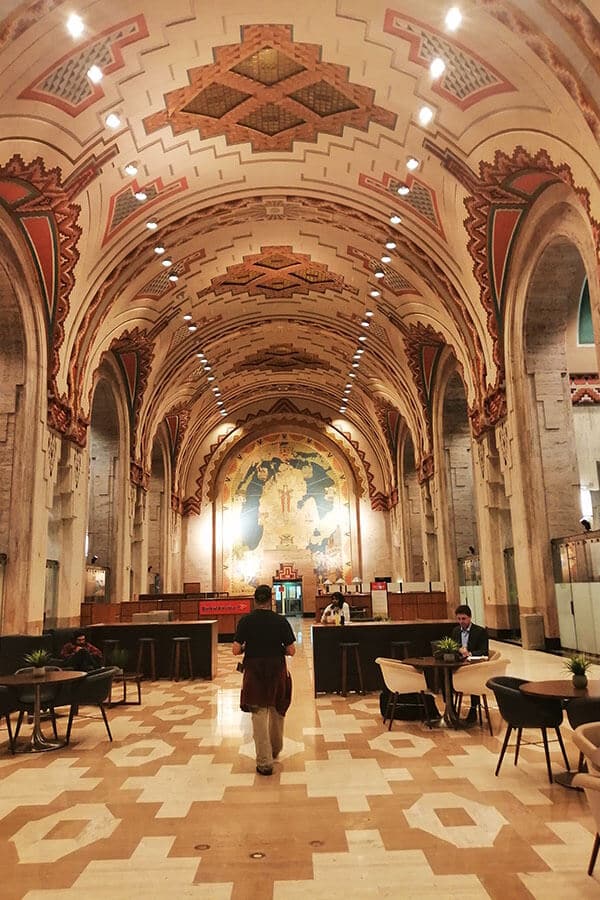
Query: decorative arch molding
(423, 346)
(286, 420)
(176, 423)
(38, 201)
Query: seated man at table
(80, 655)
(473, 641)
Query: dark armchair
(23, 698)
(520, 711)
(93, 690)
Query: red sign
(223, 607)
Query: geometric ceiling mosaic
(124, 207)
(422, 199)
(268, 91)
(392, 280)
(65, 83)
(275, 272)
(283, 358)
(467, 78)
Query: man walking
(265, 638)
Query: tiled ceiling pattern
(269, 91)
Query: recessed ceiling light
(390, 245)
(112, 121)
(131, 169)
(379, 274)
(453, 18)
(349, 386)
(351, 374)
(395, 220)
(141, 196)
(403, 190)
(152, 225)
(173, 277)
(94, 73)
(356, 356)
(437, 67)
(223, 412)
(188, 318)
(375, 293)
(412, 163)
(364, 323)
(369, 313)
(219, 403)
(166, 263)
(159, 250)
(210, 378)
(75, 25)
(192, 328)
(355, 365)
(343, 409)
(425, 115)
(207, 368)
(363, 337)
(386, 259)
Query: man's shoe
(263, 770)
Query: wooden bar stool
(108, 648)
(146, 644)
(177, 644)
(352, 648)
(400, 649)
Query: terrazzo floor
(173, 808)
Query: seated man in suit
(473, 641)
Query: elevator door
(288, 597)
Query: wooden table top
(432, 662)
(28, 678)
(561, 690)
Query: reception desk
(227, 611)
(203, 635)
(374, 639)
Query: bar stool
(146, 644)
(108, 648)
(352, 647)
(177, 644)
(400, 649)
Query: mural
(285, 494)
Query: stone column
(70, 509)
(139, 540)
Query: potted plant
(447, 649)
(578, 665)
(39, 659)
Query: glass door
(288, 597)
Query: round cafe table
(562, 689)
(39, 742)
(446, 667)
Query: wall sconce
(357, 580)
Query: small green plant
(447, 645)
(37, 658)
(577, 664)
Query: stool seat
(352, 648)
(179, 643)
(149, 645)
(400, 649)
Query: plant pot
(449, 657)
(39, 671)
(580, 681)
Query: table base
(565, 779)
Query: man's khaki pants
(267, 730)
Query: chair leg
(458, 703)
(594, 855)
(547, 752)
(424, 707)
(562, 747)
(392, 711)
(53, 719)
(103, 711)
(487, 713)
(504, 746)
(19, 723)
(70, 724)
(11, 740)
(518, 747)
(581, 766)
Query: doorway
(288, 596)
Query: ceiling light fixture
(369, 313)
(351, 374)
(152, 225)
(75, 25)
(386, 259)
(355, 365)
(363, 337)
(95, 74)
(437, 67)
(390, 245)
(210, 378)
(141, 196)
(364, 323)
(173, 277)
(453, 18)
(219, 403)
(112, 121)
(349, 386)
(192, 328)
(188, 318)
(425, 115)
(159, 250)
(375, 293)
(379, 274)
(223, 412)
(207, 368)
(166, 263)
(131, 169)
(403, 190)
(412, 163)
(395, 219)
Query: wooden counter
(227, 611)
(202, 633)
(375, 640)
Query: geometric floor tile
(140, 753)
(401, 743)
(35, 843)
(40, 786)
(476, 825)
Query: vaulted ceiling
(267, 145)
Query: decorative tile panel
(422, 199)
(65, 84)
(393, 280)
(123, 206)
(468, 78)
(269, 91)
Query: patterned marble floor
(173, 808)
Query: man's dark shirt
(478, 644)
(264, 633)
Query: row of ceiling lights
(356, 362)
